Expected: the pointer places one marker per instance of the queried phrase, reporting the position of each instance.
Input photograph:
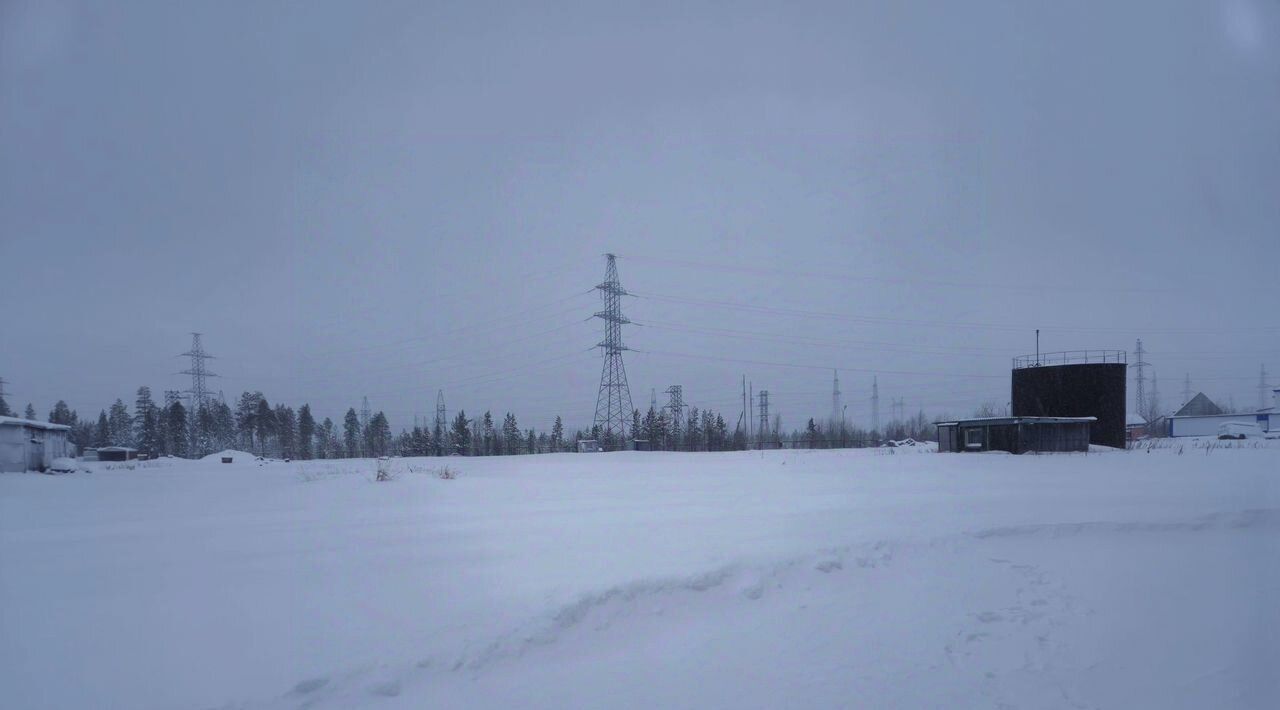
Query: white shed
(29, 445)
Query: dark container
(1075, 389)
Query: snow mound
(236, 456)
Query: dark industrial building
(1017, 435)
(1079, 383)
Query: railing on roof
(1070, 357)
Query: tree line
(280, 431)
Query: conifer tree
(351, 433)
(176, 427)
(102, 435)
(460, 435)
(4, 408)
(488, 436)
(379, 435)
(264, 424)
(306, 432)
(513, 440)
(29, 412)
(557, 435)
(286, 430)
(61, 414)
(121, 424)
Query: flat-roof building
(1016, 435)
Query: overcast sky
(387, 198)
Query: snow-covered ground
(871, 578)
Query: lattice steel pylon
(763, 431)
(442, 424)
(875, 405)
(676, 405)
(613, 403)
(199, 392)
(1141, 380)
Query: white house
(1199, 421)
(28, 445)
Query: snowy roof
(1019, 420)
(116, 448)
(1198, 405)
(1133, 419)
(32, 424)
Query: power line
(888, 320)
(911, 281)
(816, 367)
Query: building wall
(13, 449)
(1208, 426)
(18, 453)
(1083, 390)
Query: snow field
(783, 578)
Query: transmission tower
(763, 401)
(1141, 366)
(875, 405)
(676, 406)
(835, 396)
(199, 392)
(613, 403)
(1262, 388)
(442, 423)
(653, 399)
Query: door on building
(35, 451)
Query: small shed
(1016, 435)
(588, 446)
(29, 445)
(117, 453)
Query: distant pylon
(613, 402)
(875, 405)
(1262, 387)
(442, 424)
(199, 392)
(364, 413)
(763, 431)
(676, 405)
(835, 396)
(1141, 377)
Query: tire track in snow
(1042, 613)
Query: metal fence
(1070, 357)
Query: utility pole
(742, 421)
(676, 405)
(835, 395)
(613, 402)
(1141, 366)
(764, 417)
(653, 399)
(875, 406)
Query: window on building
(973, 438)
